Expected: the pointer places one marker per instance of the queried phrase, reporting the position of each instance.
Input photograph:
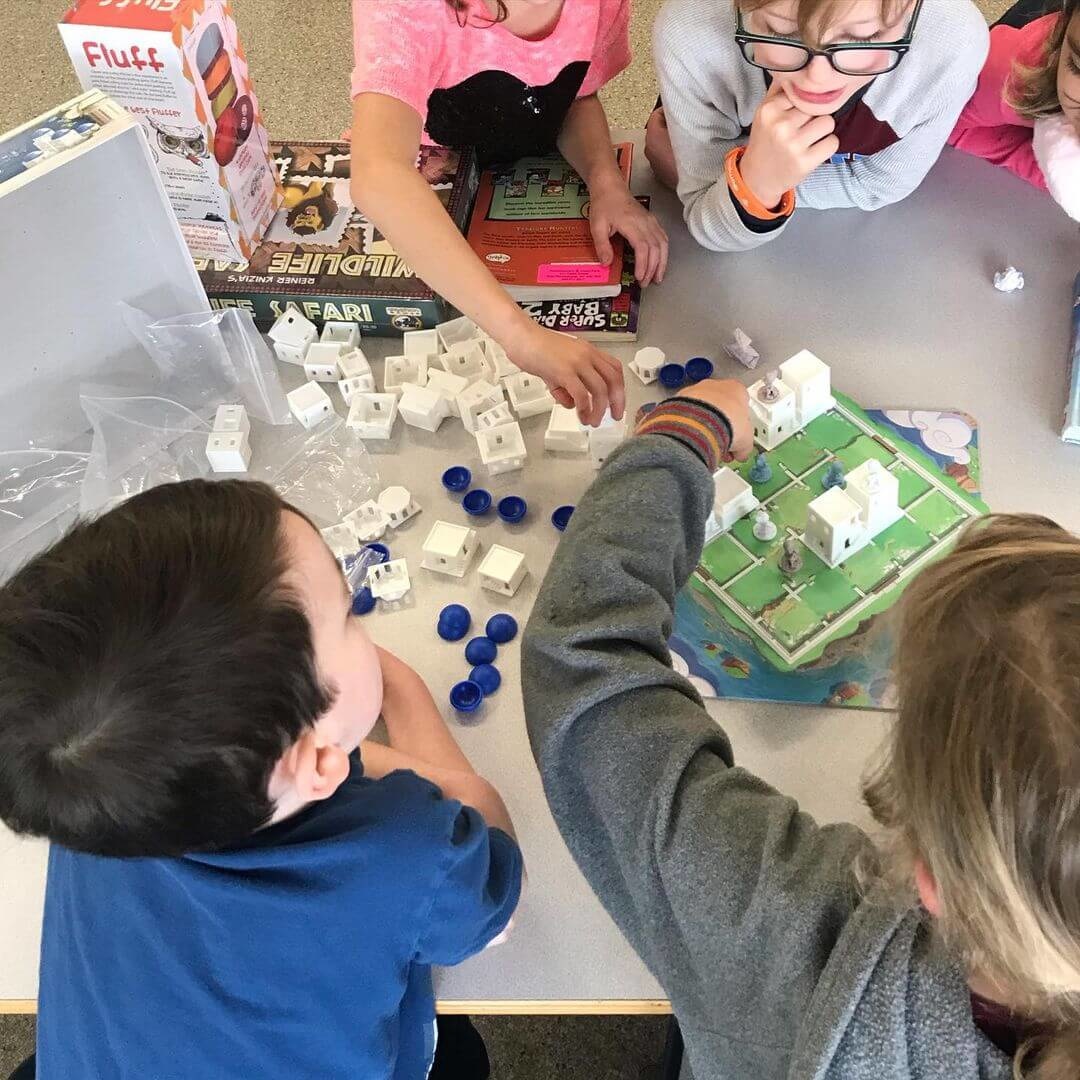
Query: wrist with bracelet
(740, 190)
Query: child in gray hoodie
(793, 950)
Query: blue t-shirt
(305, 953)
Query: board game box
(1071, 431)
(531, 228)
(744, 629)
(323, 256)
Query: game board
(744, 630)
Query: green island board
(794, 622)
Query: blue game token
(561, 517)
(502, 628)
(456, 478)
(672, 376)
(477, 502)
(512, 509)
(481, 650)
(363, 601)
(699, 368)
(466, 696)
(486, 677)
(380, 553)
(454, 622)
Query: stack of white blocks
(228, 449)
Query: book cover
(531, 228)
(322, 255)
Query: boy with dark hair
(232, 889)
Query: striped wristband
(696, 424)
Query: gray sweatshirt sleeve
(729, 893)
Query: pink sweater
(989, 127)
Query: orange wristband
(747, 199)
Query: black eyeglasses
(849, 58)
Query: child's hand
(730, 398)
(612, 209)
(578, 374)
(785, 146)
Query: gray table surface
(900, 304)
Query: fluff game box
(178, 67)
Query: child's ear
(928, 891)
(320, 768)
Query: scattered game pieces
(321, 362)
(389, 581)
(372, 416)
(647, 363)
(672, 376)
(380, 552)
(487, 677)
(398, 505)
(760, 471)
(502, 449)
(1008, 280)
(456, 478)
(502, 628)
(528, 395)
(466, 696)
(791, 560)
(481, 650)
(309, 404)
(454, 622)
(560, 518)
(833, 476)
(512, 509)
(764, 528)
(477, 502)
(421, 407)
(742, 350)
(565, 432)
(502, 570)
(449, 549)
(699, 369)
(363, 601)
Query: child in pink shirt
(1025, 113)
(509, 78)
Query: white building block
(565, 432)
(310, 404)
(606, 438)
(289, 354)
(499, 365)
(466, 359)
(341, 539)
(292, 329)
(502, 570)
(420, 344)
(842, 521)
(877, 491)
(321, 362)
(810, 380)
(398, 505)
(496, 417)
(776, 420)
(228, 451)
(372, 416)
(358, 384)
(456, 331)
(353, 363)
(733, 498)
(447, 386)
(368, 521)
(345, 334)
(449, 549)
(478, 398)
(390, 580)
(422, 408)
(232, 418)
(502, 449)
(399, 370)
(528, 395)
(647, 363)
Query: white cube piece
(502, 449)
(352, 363)
(368, 521)
(390, 580)
(466, 359)
(228, 451)
(291, 328)
(565, 432)
(447, 386)
(456, 331)
(310, 404)
(232, 418)
(420, 344)
(345, 334)
(358, 384)
(647, 363)
(341, 539)
(500, 366)
(399, 370)
(528, 395)
(449, 549)
(604, 439)
(422, 408)
(496, 417)
(398, 505)
(372, 416)
(289, 354)
(478, 398)
(502, 570)
(321, 362)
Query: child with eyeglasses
(772, 105)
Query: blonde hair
(980, 780)
(1032, 89)
(816, 16)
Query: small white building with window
(733, 498)
(803, 391)
(843, 521)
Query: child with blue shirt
(233, 889)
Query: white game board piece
(341, 539)
(606, 438)
(466, 360)
(449, 549)
(310, 404)
(368, 521)
(502, 570)
(447, 386)
(345, 334)
(398, 505)
(647, 363)
(420, 344)
(399, 370)
(421, 407)
(565, 432)
(292, 329)
(389, 581)
(321, 362)
(496, 417)
(372, 416)
(528, 395)
(502, 449)
(228, 451)
(358, 384)
(478, 398)
(354, 362)
(232, 418)
(456, 331)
